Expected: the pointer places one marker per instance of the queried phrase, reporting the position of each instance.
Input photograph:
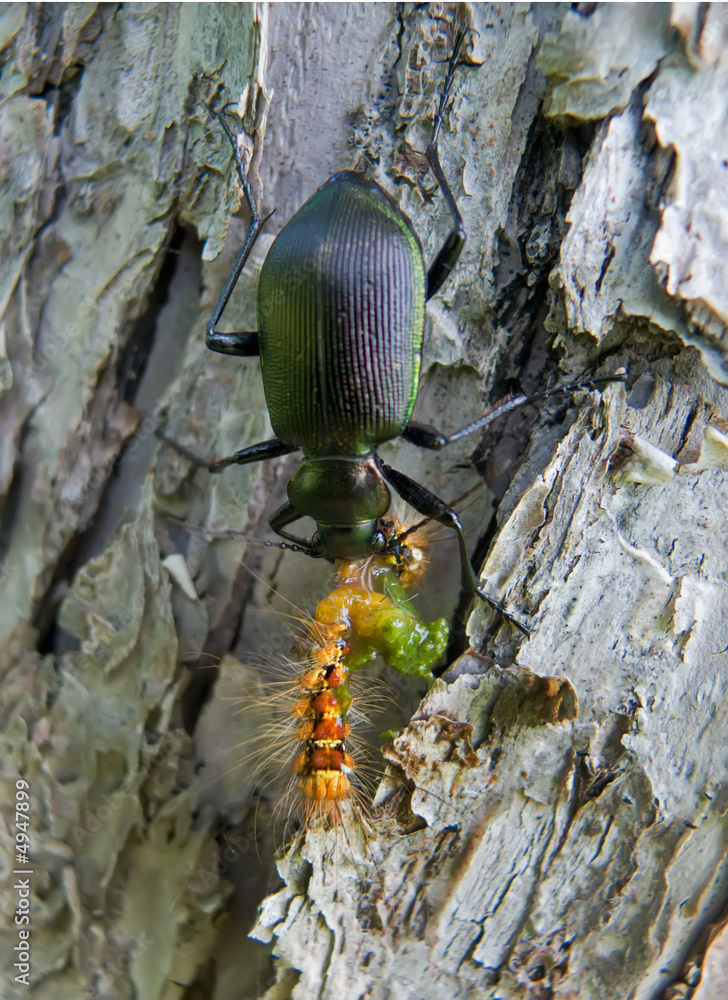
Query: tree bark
(552, 821)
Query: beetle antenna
(231, 534)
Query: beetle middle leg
(431, 506)
(254, 453)
(424, 436)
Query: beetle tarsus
(497, 606)
(424, 436)
(231, 534)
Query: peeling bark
(552, 820)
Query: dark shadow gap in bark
(133, 362)
(143, 371)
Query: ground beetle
(341, 308)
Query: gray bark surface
(552, 822)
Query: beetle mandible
(341, 309)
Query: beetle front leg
(431, 506)
(287, 514)
(255, 453)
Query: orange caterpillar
(323, 766)
(368, 614)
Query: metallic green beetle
(341, 308)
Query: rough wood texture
(553, 819)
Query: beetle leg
(424, 436)
(514, 402)
(286, 514)
(242, 344)
(431, 506)
(255, 453)
(450, 250)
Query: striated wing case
(341, 306)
